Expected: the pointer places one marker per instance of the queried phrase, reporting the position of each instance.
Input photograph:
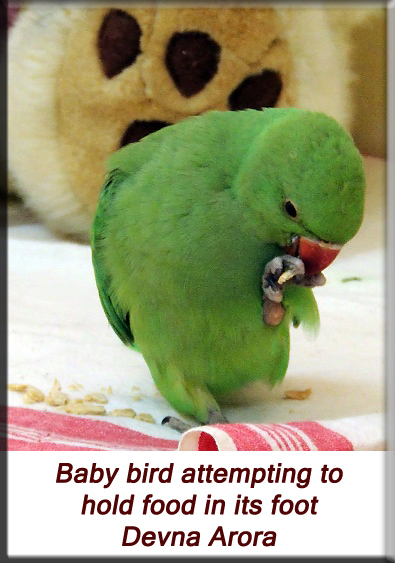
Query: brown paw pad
(139, 129)
(192, 59)
(118, 42)
(257, 91)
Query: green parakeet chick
(208, 237)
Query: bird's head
(302, 186)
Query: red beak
(316, 255)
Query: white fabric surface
(57, 329)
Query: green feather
(117, 317)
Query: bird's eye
(290, 209)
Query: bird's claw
(176, 424)
(316, 280)
(278, 271)
(214, 417)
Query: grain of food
(57, 399)
(136, 397)
(285, 276)
(75, 386)
(19, 387)
(298, 395)
(83, 408)
(28, 400)
(107, 390)
(55, 386)
(145, 417)
(129, 413)
(135, 388)
(96, 398)
(76, 401)
(33, 395)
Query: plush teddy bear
(86, 80)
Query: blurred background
(84, 80)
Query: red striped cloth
(294, 436)
(364, 432)
(31, 429)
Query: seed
(33, 395)
(76, 401)
(55, 387)
(130, 413)
(145, 417)
(19, 387)
(298, 395)
(285, 276)
(84, 408)
(96, 398)
(75, 386)
(57, 399)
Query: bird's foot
(315, 280)
(278, 271)
(176, 424)
(214, 417)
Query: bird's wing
(118, 318)
(132, 157)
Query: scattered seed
(298, 395)
(55, 387)
(130, 413)
(84, 408)
(57, 399)
(75, 386)
(137, 397)
(145, 417)
(135, 388)
(76, 402)
(19, 387)
(33, 395)
(96, 398)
